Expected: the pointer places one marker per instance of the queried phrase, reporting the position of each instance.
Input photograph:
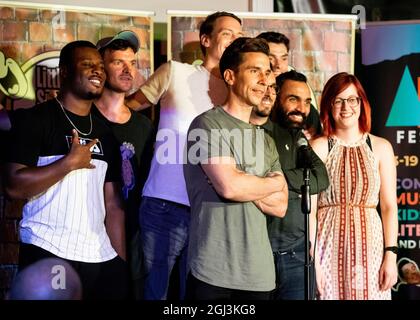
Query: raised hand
(80, 156)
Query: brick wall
(319, 49)
(26, 32)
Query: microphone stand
(306, 210)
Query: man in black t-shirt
(287, 235)
(64, 161)
(134, 134)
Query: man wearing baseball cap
(134, 133)
(126, 35)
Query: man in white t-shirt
(184, 91)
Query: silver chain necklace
(71, 122)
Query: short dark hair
(275, 37)
(207, 25)
(293, 75)
(118, 44)
(67, 52)
(232, 56)
(289, 75)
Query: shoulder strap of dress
(369, 143)
(330, 144)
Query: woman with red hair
(355, 248)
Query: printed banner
(391, 76)
(321, 45)
(33, 34)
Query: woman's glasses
(351, 101)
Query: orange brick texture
(29, 31)
(318, 49)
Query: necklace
(71, 122)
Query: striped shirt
(68, 218)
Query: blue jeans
(290, 274)
(164, 229)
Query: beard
(88, 95)
(93, 95)
(80, 89)
(285, 120)
(262, 113)
(264, 108)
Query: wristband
(393, 249)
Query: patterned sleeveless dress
(350, 235)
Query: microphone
(305, 162)
(304, 153)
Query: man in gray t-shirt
(233, 179)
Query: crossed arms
(268, 193)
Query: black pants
(198, 290)
(102, 280)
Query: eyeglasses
(351, 101)
(273, 89)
